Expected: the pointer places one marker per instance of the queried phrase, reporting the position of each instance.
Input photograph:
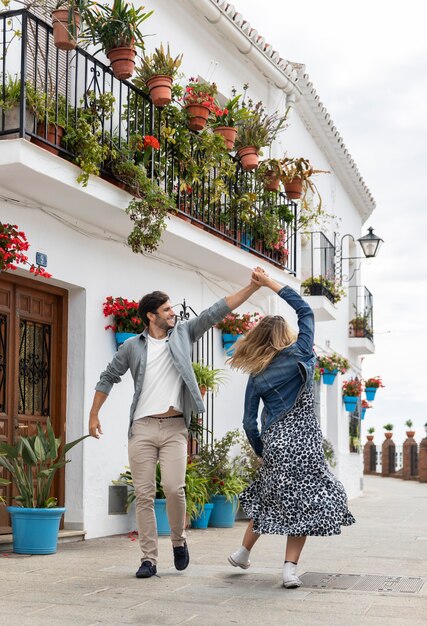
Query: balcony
(360, 331)
(318, 289)
(66, 83)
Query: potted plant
(359, 326)
(329, 452)
(207, 378)
(66, 20)
(271, 171)
(364, 406)
(10, 97)
(32, 463)
(126, 322)
(330, 365)
(227, 119)
(197, 495)
(370, 435)
(296, 177)
(322, 286)
(225, 482)
(157, 72)
(409, 432)
(371, 386)
(50, 111)
(199, 103)
(233, 326)
(388, 430)
(255, 132)
(117, 29)
(351, 390)
(13, 248)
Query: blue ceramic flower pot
(35, 531)
(121, 338)
(203, 519)
(223, 512)
(362, 415)
(350, 403)
(370, 393)
(329, 377)
(228, 341)
(162, 521)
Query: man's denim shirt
(133, 355)
(288, 374)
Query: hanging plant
(13, 246)
(156, 73)
(199, 103)
(227, 119)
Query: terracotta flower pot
(122, 62)
(52, 136)
(271, 182)
(410, 433)
(202, 390)
(197, 116)
(388, 435)
(229, 133)
(62, 37)
(160, 90)
(248, 158)
(370, 437)
(294, 188)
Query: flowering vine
(13, 245)
(125, 314)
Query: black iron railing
(51, 87)
(362, 316)
(322, 256)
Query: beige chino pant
(164, 440)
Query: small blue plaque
(41, 259)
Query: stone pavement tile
(406, 613)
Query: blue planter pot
(121, 338)
(228, 341)
(35, 531)
(245, 241)
(223, 512)
(350, 403)
(362, 414)
(370, 393)
(203, 519)
(329, 377)
(162, 521)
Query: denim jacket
(133, 355)
(283, 380)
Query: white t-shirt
(162, 386)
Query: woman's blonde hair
(260, 345)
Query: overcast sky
(368, 63)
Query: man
(166, 394)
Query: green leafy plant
(332, 362)
(352, 387)
(371, 430)
(81, 7)
(301, 168)
(160, 63)
(47, 106)
(233, 112)
(208, 378)
(335, 290)
(10, 92)
(246, 463)
(86, 137)
(388, 427)
(33, 463)
(117, 26)
(260, 129)
(409, 423)
(329, 452)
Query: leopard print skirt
(295, 493)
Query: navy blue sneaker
(146, 570)
(181, 556)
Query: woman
(295, 493)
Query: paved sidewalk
(93, 582)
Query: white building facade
(83, 232)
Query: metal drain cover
(362, 582)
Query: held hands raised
(262, 279)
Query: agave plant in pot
(117, 29)
(157, 72)
(255, 132)
(32, 464)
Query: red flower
(151, 142)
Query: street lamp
(370, 245)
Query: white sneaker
(240, 558)
(290, 578)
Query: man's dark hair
(150, 303)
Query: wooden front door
(32, 366)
